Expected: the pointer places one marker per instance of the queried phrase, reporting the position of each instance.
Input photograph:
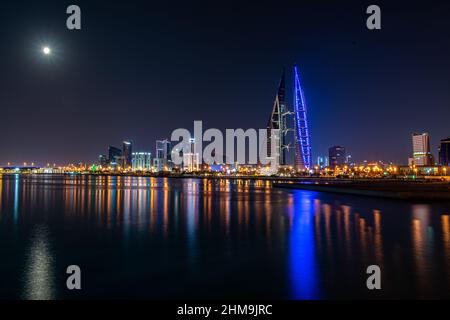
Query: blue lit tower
(277, 120)
(302, 136)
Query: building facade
(191, 160)
(113, 154)
(141, 161)
(336, 156)
(444, 152)
(103, 160)
(163, 155)
(303, 158)
(421, 150)
(277, 127)
(127, 153)
(322, 161)
(278, 121)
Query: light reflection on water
(303, 265)
(446, 239)
(216, 238)
(38, 273)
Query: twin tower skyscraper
(280, 119)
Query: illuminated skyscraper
(337, 156)
(444, 152)
(113, 154)
(163, 157)
(103, 160)
(322, 161)
(421, 149)
(127, 151)
(191, 159)
(302, 136)
(142, 161)
(277, 120)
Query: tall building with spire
(302, 136)
(278, 121)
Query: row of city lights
(370, 170)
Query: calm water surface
(193, 238)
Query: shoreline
(308, 179)
(400, 190)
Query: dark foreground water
(187, 238)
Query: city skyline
(290, 155)
(224, 159)
(80, 99)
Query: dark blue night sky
(137, 70)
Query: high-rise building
(348, 159)
(444, 152)
(336, 156)
(277, 121)
(191, 159)
(164, 149)
(141, 161)
(303, 158)
(113, 154)
(163, 155)
(103, 160)
(127, 150)
(322, 161)
(421, 149)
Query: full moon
(46, 50)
